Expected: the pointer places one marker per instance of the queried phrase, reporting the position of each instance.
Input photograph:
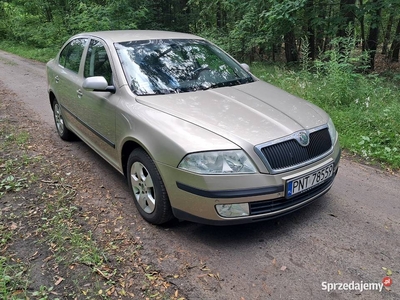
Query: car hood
(255, 112)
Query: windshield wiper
(207, 85)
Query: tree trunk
(372, 40)
(311, 32)
(395, 49)
(347, 12)
(290, 47)
(221, 17)
(324, 38)
(387, 33)
(362, 25)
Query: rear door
(68, 78)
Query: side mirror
(245, 66)
(97, 84)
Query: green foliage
(48, 25)
(90, 18)
(250, 30)
(282, 13)
(12, 277)
(11, 184)
(29, 28)
(340, 70)
(96, 17)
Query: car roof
(115, 36)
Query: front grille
(270, 206)
(290, 153)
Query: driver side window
(97, 62)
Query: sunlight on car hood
(255, 112)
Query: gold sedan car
(197, 136)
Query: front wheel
(148, 190)
(62, 130)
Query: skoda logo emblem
(303, 138)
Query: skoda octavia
(197, 136)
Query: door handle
(80, 94)
(57, 79)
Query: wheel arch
(126, 150)
(52, 97)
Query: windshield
(175, 66)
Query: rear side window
(70, 56)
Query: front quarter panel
(166, 138)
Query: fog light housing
(233, 210)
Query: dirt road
(346, 241)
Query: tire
(148, 190)
(62, 130)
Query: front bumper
(264, 210)
(194, 197)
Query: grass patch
(34, 206)
(13, 281)
(14, 174)
(39, 54)
(71, 245)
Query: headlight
(218, 162)
(332, 131)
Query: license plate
(303, 183)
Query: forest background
(342, 55)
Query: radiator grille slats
(290, 153)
